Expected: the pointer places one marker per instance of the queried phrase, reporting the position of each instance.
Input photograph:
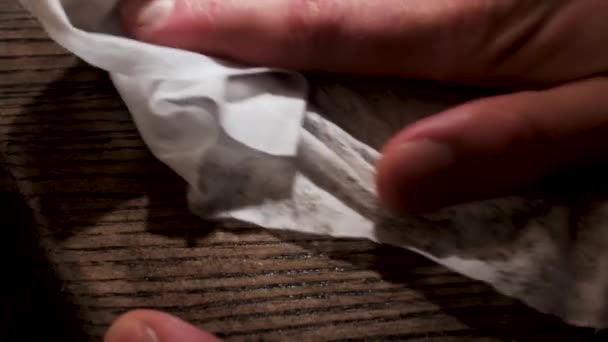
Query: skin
(552, 56)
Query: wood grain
(94, 226)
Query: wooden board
(95, 226)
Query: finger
(494, 146)
(415, 38)
(152, 326)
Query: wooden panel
(96, 226)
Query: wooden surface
(94, 226)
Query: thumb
(152, 326)
(494, 146)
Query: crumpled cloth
(252, 149)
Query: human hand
(487, 147)
(152, 326)
(553, 54)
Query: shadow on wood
(34, 306)
(78, 158)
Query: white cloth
(251, 150)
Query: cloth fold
(252, 149)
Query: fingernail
(155, 13)
(406, 172)
(131, 331)
(148, 335)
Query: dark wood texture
(94, 226)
